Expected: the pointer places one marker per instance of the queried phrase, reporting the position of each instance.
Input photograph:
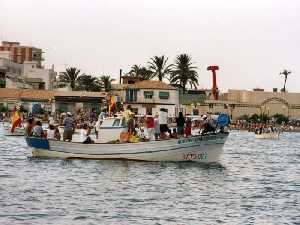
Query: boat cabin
(111, 128)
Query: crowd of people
(157, 127)
(137, 128)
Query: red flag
(16, 121)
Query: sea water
(255, 182)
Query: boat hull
(198, 148)
(17, 132)
(272, 136)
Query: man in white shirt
(163, 120)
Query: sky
(251, 41)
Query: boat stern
(38, 143)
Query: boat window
(116, 123)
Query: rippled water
(256, 182)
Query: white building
(27, 75)
(150, 96)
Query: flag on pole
(112, 104)
(16, 120)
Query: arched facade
(275, 99)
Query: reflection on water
(256, 182)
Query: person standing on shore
(68, 127)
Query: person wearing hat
(69, 126)
(129, 119)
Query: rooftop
(46, 95)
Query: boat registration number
(195, 156)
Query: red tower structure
(214, 88)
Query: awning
(163, 95)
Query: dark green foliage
(184, 72)
(2, 83)
(3, 109)
(88, 83)
(159, 68)
(244, 117)
(254, 118)
(142, 72)
(280, 118)
(105, 81)
(69, 77)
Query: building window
(164, 95)
(148, 94)
(131, 95)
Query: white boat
(206, 148)
(271, 135)
(19, 131)
(200, 148)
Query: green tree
(254, 118)
(244, 117)
(88, 83)
(285, 73)
(106, 81)
(280, 118)
(3, 109)
(69, 77)
(159, 68)
(2, 83)
(142, 72)
(184, 72)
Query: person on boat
(51, 120)
(97, 127)
(29, 127)
(57, 135)
(139, 132)
(180, 121)
(174, 133)
(69, 127)
(85, 134)
(38, 130)
(150, 126)
(51, 131)
(163, 122)
(207, 126)
(156, 127)
(103, 114)
(188, 127)
(129, 119)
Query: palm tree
(88, 83)
(135, 71)
(158, 66)
(142, 72)
(106, 81)
(285, 73)
(184, 73)
(69, 77)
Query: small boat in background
(18, 131)
(270, 135)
